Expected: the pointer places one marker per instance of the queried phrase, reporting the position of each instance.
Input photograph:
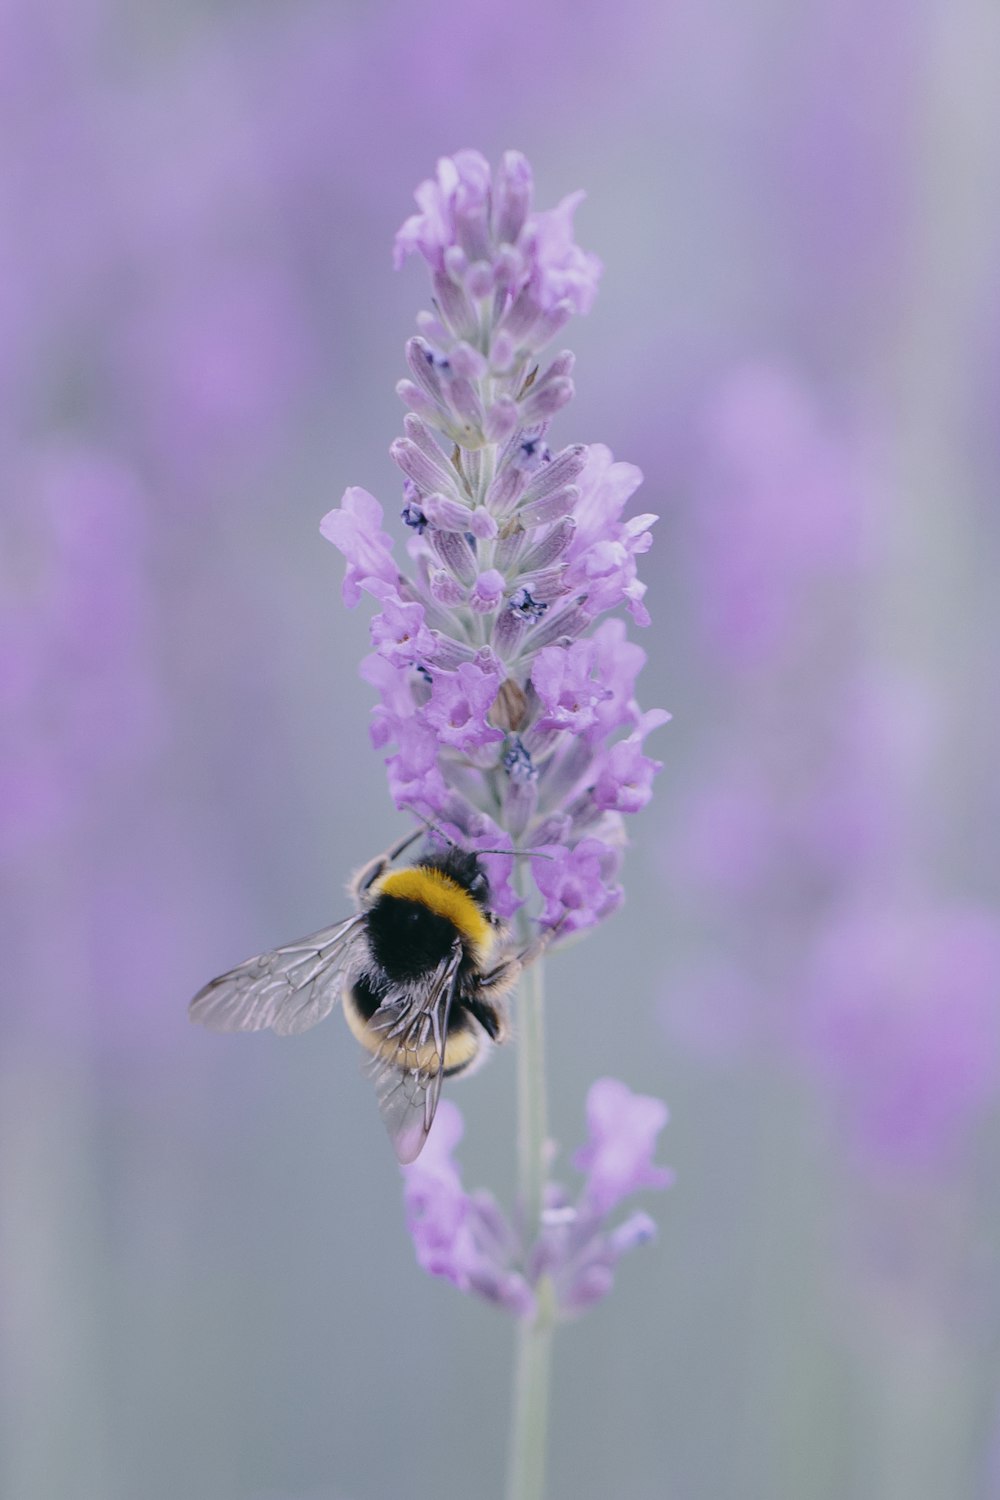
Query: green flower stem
(532, 1111)
(529, 1426)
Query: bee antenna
(433, 828)
(515, 853)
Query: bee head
(465, 868)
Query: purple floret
(618, 1157)
(356, 529)
(467, 1239)
(458, 706)
(577, 884)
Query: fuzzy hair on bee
(422, 969)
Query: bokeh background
(206, 1289)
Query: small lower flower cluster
(506, 701)
(466, 1238)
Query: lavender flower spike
(466, 1239)
(506, 685)
(506, 704)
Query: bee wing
(408, 1064)
(289, 989)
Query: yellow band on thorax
(444, 896)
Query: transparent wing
(407, 1065)
(288, 990)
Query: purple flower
(458, 706)
(478, 237)
(467, 1239)
(414, 778)
(561, 676)
(462, 1238)
(502, 697)
(454, 210)
(602, 554)
(618, 1157)
(563, 271)
(399, 633)
(356, 529)
(618, 663)
(577, 884)
(625, 780)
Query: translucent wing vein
(289, 989)
(408, 1063)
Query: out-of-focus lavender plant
(791, 850)
(903, 1018)
(812, 935)
(773, 821)
(507, 700)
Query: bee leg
(487, 1001)
(362, 882)
(535, 949)
(489, 1016)
(499, 979)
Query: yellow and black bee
(422, 967)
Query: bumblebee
(422, 968)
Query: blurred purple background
(205, 1284)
